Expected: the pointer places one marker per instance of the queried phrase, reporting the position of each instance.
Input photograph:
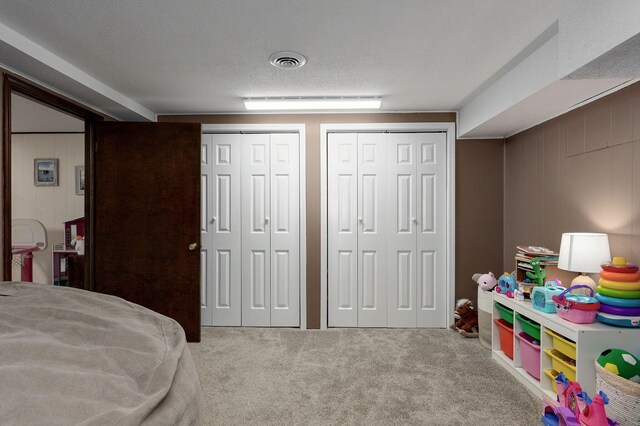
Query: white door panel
(372, 251)
(387, 229)
(224, 221)
(401, 233)
(285, 231)
(206, 229)
(256, 230)
(342, 227)
(431, 242)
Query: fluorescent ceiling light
(253, 104)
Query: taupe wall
(51, 205)
(479, 221)
(579, 172)
(473, 182)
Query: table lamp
(583, 252)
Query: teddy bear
(486, 281)
(467, 319)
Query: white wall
(51, 205)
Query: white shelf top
(552, 321)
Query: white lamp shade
(583, 252)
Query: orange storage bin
(506, 336)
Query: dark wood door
(146, 235)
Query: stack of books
(526, 253)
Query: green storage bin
(530, 327)
(506, 314)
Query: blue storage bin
(541, 297)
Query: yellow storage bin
(562, 363)
(552, 375)
(565, 346)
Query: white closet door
(401, 231)
(206, 228)
(431, 284)
(285, 231)
(372, 221)
(226, 234)
(256, 231)
(342, 228)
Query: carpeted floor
(355, 376)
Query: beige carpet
(355, 376)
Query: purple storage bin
(529, 354)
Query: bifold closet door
(431, 291)
(250, 230)
(386, 224)
(270, 230)
(224, 239)
(372, 241)
(401, 154)
(256, 230)
(342, 223)
(285, 230)
(417, 238)
(357, 217)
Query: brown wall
(479, 221)
(475, 185)
(579, 172)
(2, 209)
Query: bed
(70, 356)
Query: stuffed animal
(486, 281)
(467, 319)
(538, 273)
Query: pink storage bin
(530, 355)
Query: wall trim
(285, 128)
(447, 127)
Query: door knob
(193, 246)
(213, 220)
(266, 220)
(360, 220)
(414, 220)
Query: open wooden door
(146, 219)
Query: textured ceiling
(203, 56)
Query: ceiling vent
(287, 60)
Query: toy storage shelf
(590, 339)
(553, 272)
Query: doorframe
(288, 128)
(14, 84)
(449, 129)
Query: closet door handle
(213, 220)
(414, 220)
(266, 220)
(361, 220)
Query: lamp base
(584, 279)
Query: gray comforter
(70, 357)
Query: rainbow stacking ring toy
(619, 265)
(620, 276)
(615, 301)
(620, 294)
(619, 310)
(616, 285)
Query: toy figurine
(519, 293)
(538, 275)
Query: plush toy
(467, 319)
(485, 281)
(538, 274)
